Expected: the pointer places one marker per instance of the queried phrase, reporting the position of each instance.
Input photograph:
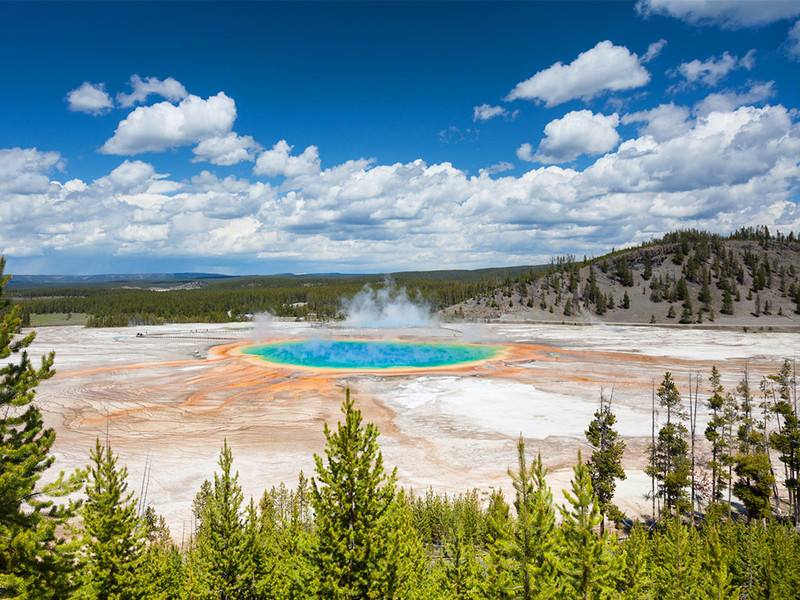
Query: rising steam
(387, 307)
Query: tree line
(351, 532)
(237, 300)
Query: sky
(249, 138)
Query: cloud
(576, 133)
(164, 125)
(500, 167)
(130, 176)
(279, 161)
(662, 123)
(90, 98)
(25, 170)
(653, 50)
(713, 70)
(525, 152)
(226, 150)
(605, 67)
(454, 135)
(793, 41)
(360, 215)
(730, 100)
(169, 88)
(729, 14)
(485, 112)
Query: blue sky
(399, 85)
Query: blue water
(357, 354)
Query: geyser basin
(366, 354)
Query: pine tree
(787, 439)
(676, 572)
(534, 537)
(409, 576)
(716, 437)
(752, 466)
(648, 266)
(605, 463)
(160, 573)
(35, 560)
(585, 560)
(352, 495)
(461, 579)
(687, 316)
(112, 532)
(669, 459)
(217, 559)
(717, 580)
(497, 582)
(295, 579)
(634, 579)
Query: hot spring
(368, 354)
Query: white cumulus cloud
(485, 112)
(576, 133)
(605, 67)
(90, 98)
(164, 125)
(712, 70)
(716, 171)
(169, 88)
(226, 150)
(279, 161)
(663, 122)
(730, 100)
(25, 170)
(730, 14)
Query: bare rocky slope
(751, 278)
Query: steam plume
(386, 307)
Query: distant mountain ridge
(48, 280)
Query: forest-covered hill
(748, 277)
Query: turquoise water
(357, 354)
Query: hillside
(687, 277)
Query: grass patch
(53, 319)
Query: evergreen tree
(294, 579)
(669, 459)
(534, 537)
(715, 434)
(687, 316)
(787, 439)
(605, 463)
(409, 575)
(676, 572)
(717, 580)
(648, 266)
(753, 469)
(497, 582)
(160, 572)
(218, 559)
(113, 534)
(585, 561)
(352, 495)
(35, 560)
(634, 580)
(461, 578)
